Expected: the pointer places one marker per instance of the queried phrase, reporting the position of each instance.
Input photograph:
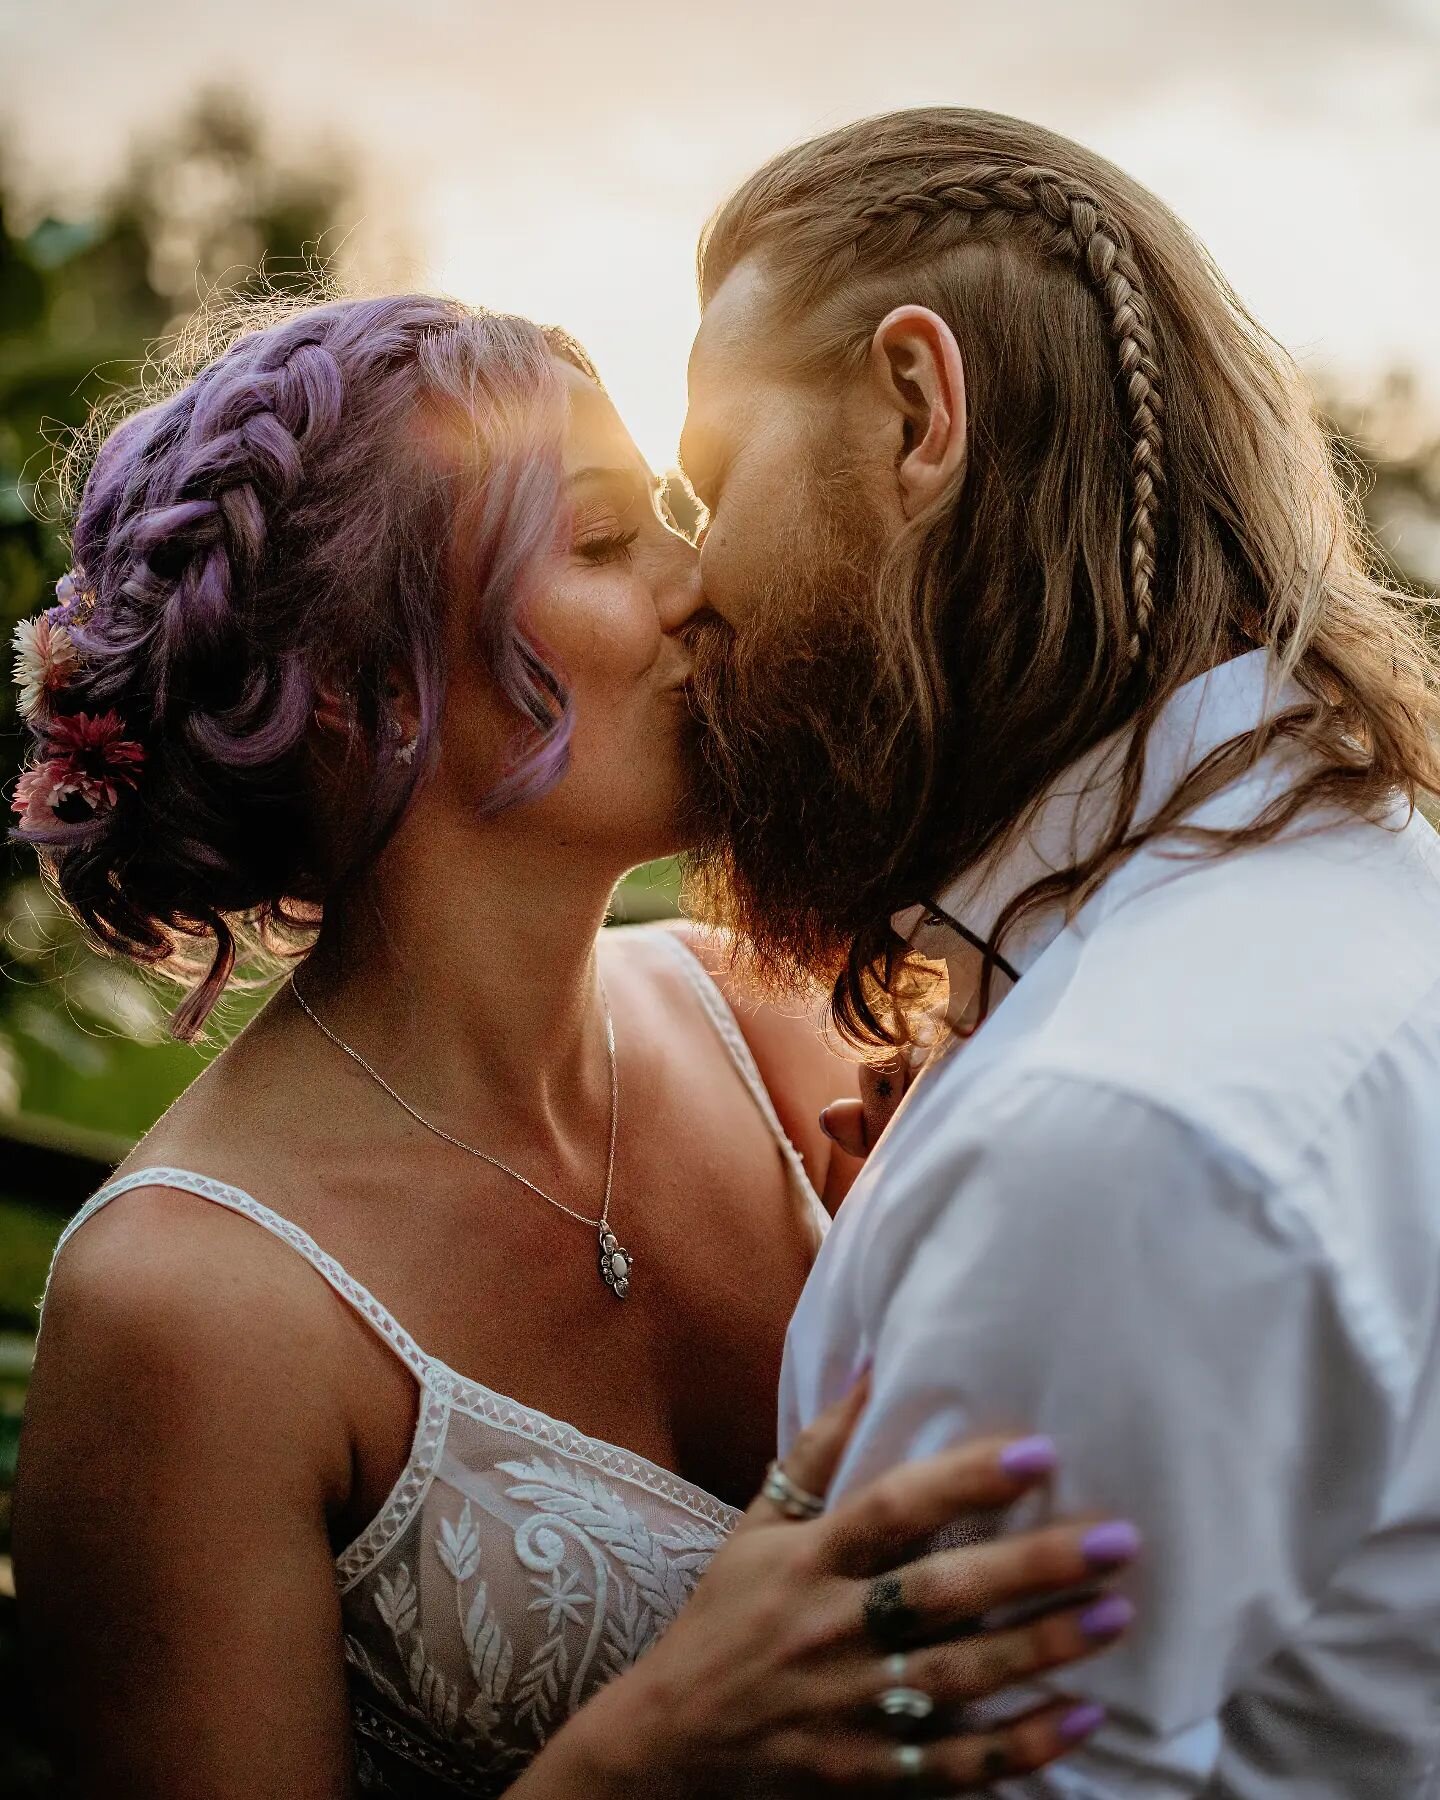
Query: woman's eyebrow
(616, 473)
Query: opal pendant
(615, 1264)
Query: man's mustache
(712, 646)
(708, 635)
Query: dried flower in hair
(74, 602)
(45, 660)
(89, 760)
(34, 798)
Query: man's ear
(916, 370)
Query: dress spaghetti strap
(236, 1200)
(722, 1017)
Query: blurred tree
(204, 208)
(1391, 443)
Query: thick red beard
(803, 786)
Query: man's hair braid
(990, 195)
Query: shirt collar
(1071, 815)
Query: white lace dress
(517, 1564)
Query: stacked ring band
(902, 1703)
(908, 1705)
(910, 1761)
(792, 1499)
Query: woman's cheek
(601, 629)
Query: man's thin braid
(1104, 256)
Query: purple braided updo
(298, 522)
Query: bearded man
(1042, 657)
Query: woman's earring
(404, 753)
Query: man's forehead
(724, 372)
(730, 324)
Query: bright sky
(558, 159)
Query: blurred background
(561, 166)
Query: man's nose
(680, 594)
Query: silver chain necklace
(616, 1262)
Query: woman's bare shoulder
(159, 1285)
(181, 1441)
(165, 1307)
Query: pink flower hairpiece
(86, 758)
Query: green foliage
(29, 1238)
(651, 892)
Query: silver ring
(791, 1499)
(910, 1761)
(902, 1702)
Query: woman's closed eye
(606, 545)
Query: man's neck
(1071, 818)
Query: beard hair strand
(804, 771)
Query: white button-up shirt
(1177, 1203)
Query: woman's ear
(334, 710)
(916, 370)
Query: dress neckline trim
(438, 1381)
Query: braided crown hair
(281, 530)
(1146, 493)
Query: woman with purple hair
(372, 662)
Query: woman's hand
(770, 1681)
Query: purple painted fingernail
(864, 1363)
(1079, 1722)
(1110, 1545)
(1107, 1618)
(1029, 1456)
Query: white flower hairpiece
(45, 661)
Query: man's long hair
(1147, 494)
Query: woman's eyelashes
(606, 546)
(608, 532)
